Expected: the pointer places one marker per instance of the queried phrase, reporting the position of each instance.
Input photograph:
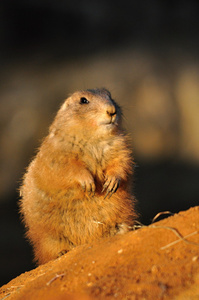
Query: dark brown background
(145, 53)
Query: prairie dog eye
(83, 100)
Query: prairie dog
(77, 188)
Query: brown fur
(77, 188)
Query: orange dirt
(142, 264)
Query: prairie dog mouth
(111, 123)
(110, 119)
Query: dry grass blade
(184, 239)
(54, 278)
(160, 214)
(175, 231)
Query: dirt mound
(160, 261)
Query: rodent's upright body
(77, 189)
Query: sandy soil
(153, 262)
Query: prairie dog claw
(111, 185)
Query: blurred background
(145, 53)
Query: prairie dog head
(90, 112)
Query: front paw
(88, 186)
(111, 185)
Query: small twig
(182, 239)
(140, 225)
(54, 278)
(175, 231)
(134, 227)
(137, 225)
(160, 214)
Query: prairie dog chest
(97, 156)
(97, 150)
(94, 153)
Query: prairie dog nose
(111, 110)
